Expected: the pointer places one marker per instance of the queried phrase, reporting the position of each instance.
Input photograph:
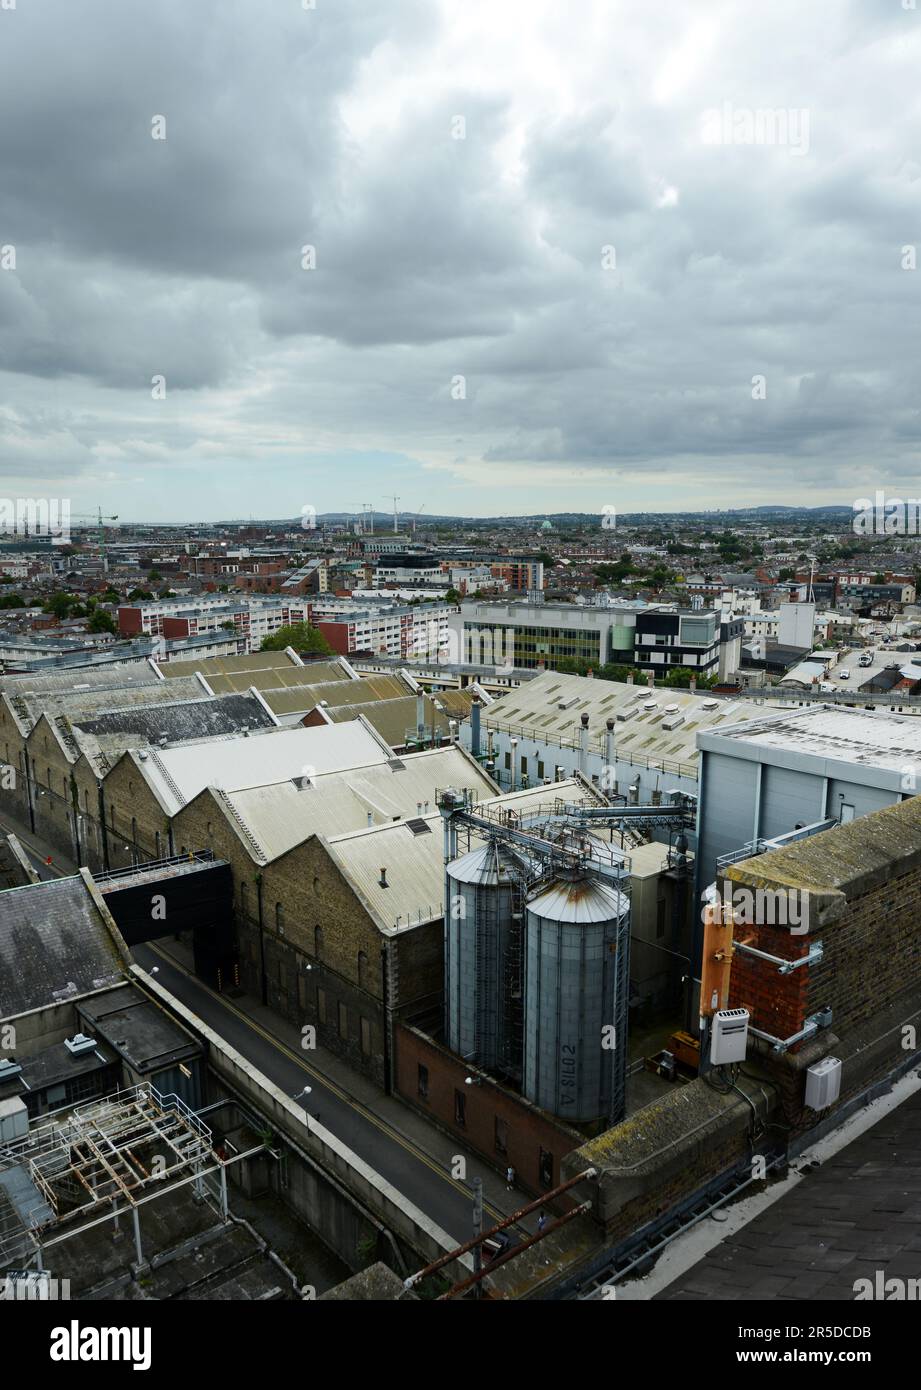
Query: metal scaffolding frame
(98, 1162)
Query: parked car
(844, 674)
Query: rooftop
(176, 775)
(414, 857)
(533, 710)
(868, 738)
(54, 944)
(275, 817)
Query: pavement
(402, 1147)
(856, 1216)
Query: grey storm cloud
(606, 282)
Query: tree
(59, 604)
(301, 636)
(101, 621)
(153, 576)
(452, 596)
(139, 593)
(12, 601)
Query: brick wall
(527, 1131)
(778, 1003)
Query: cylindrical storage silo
(576, 958)
(481, 899)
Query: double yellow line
(344, 1096)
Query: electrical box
(729, 1038)
(823, 1083)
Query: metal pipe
(516, 1250)
(585, 1176)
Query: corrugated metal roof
(185, 719)
(178, 774)
(277, 677)
(225, 665)
(393, 719)
(575, 902)
(28, 709)
(415, 863)
(533, 710)
(280, 816)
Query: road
(419, 1176)
(411, 1171)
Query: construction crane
(100, 522)
(396, 516)
(416, 515)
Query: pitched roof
(177, 774)
(54, 944)
(273, 818)
(414, 858)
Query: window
(545, 1168)
(362, 970)
(321, 1005)
(501, 1136)
(279, 919)
(301, 990)
(422, 1081)
(344, 1022)
(365, 1037)
(318, 942)
(540, 768)
(460, 1108)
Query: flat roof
(867, 738)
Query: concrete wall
(377, 1196)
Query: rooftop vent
(79, 1044)
(395, 765)
(9, 1067)
(418, 826)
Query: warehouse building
(788, 771)
(620, 736)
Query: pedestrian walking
(510, 1177)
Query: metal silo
(576, 959)
(483, 993)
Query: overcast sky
(547, 276)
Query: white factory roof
(176, 775)
(868, 738)
(415, 862)
(805, 674)
(272, 819)
(532, 711)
